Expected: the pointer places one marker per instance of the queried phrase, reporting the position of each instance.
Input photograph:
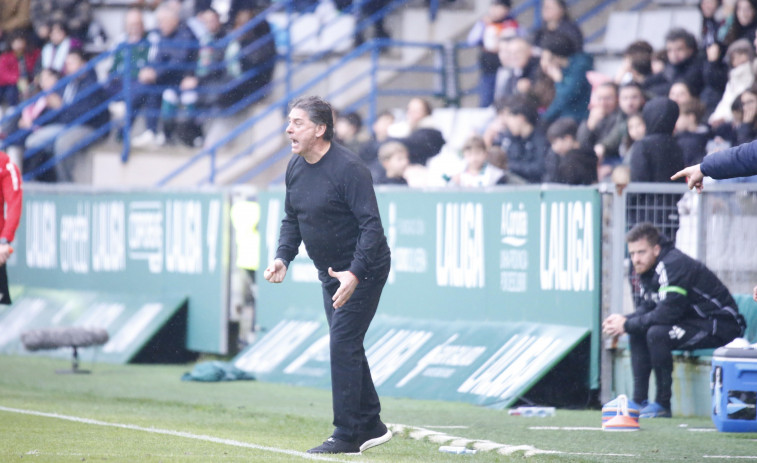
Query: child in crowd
(477, 172)
(55, 51)
(17, 70)
(394, 159)
(568, 162)
(690, 135)
(680, 92)
(635, 131)
(487, 33)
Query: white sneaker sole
(376, 441)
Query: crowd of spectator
(555, 114)
(559, 120)
(175, 75)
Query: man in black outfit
(680, 304)
(331, 206)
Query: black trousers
(652, 351)
(355, 401)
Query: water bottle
(541, 412)
(456, 450)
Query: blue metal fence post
(288, 54)
(373, 96)
(537, 14)
(126, 91)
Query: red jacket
(9, 72)
(10, 195)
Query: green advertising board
(496, 261)
(134, 249)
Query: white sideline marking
(734, 457)
(563, 428)
(216, 440)
(444, 427)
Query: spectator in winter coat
(476, 171)
(711, 22)
(523, 141)
(683, 64)
(744, 22)
(55, 51)
(604, 117)
(567, 68)
(76, 15)
(690, 135)
(172, 56)
(741, 76)
(15, 16)
(81, 112)
(17, 70)
(519, 70)
(657, 156)
(250, 58)
(556, 18)
(418, 132)
(568, 161)
(487, 34)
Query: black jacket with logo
(678, 288)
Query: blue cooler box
(733, 384)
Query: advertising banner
(508, 258)
(153, 246)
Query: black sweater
(331, 207)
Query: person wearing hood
(680, 304)
(657, 156)
(567, 68)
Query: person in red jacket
(17, 70)
(10, 197)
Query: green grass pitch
(144, 413)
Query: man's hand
(347, 284)
(694, 177)
(613, 325)
(754, 294)
(6, 250)
(275, 272)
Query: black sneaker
(377, 436)
(334, 445)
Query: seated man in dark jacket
(680, 304)
(79, 110)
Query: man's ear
(320, 130)
(656, 250)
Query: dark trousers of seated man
(653, 351)
(354, 398)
